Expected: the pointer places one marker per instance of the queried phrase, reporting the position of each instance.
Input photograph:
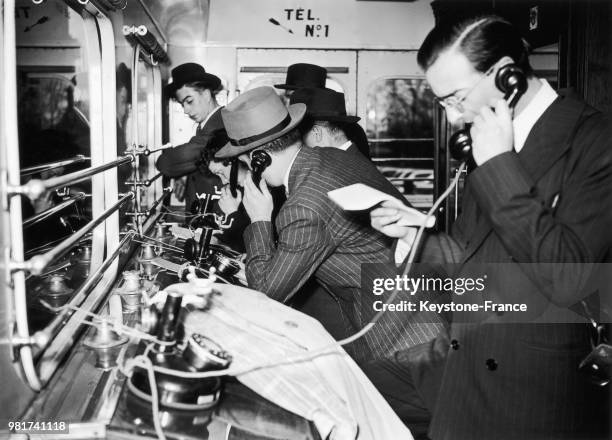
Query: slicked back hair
(201, 86)
(483, 40)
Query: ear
(505, 60)
(209, 95)
(318, 132)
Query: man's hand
(228, 203)
(391, 222)
(257, 201)
(492, 132)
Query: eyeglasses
(457, 103)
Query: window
(271, 79)
(399, 125)
(53, 116)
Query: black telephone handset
(260, 160)
(233, 177)
(511, 80)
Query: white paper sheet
(360, 197)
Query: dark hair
(483, 40)
(216, 142)
(309, 122)
(305, 125)
(201, 86)
(283, 142)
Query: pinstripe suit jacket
(551, 203)
(317, 238)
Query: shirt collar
(286, 178)
(345, 146)
(203, 123)
(526, 119)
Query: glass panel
(123, 85)
(54, 120)
(399, 125)
(276, 78)
(145, 82)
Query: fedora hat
(189, 73)
(255, 118)
(304, 75)
(323, 105)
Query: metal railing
(53, 210)
(52, 165)
(37, 187)
(37, 264)
(43, 337)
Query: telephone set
(197, 251)
(260, 160)
(511, 80)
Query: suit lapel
(546, 143)
(481, 226)
(551, 136)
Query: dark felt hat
(304, 75)
(323, 105)
(257, 117)
(189, 73)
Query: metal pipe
(136, 136)
(52, 165)
(160, 199)
(38, 263)
(158, 28)
(147, 182)
(43, 337)
(146, 152)
(49, 212)
(11, 142)
(111, 5)
(36, 187)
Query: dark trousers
(315, 301)
(410, 382)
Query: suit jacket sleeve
(279, 270)
(576, 230)
(180, 161)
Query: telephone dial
(511, 80)
(260, 160)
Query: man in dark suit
(195, 90)
(324, 125)
(326, 121)
(539, 202)
(315, 237)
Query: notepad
(360, 197)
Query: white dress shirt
(286, 178)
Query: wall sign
(306, 18)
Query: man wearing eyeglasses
(539, 198)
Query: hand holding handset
(511, 80)
(260, 160)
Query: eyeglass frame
(458, 105)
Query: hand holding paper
(360, 197)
